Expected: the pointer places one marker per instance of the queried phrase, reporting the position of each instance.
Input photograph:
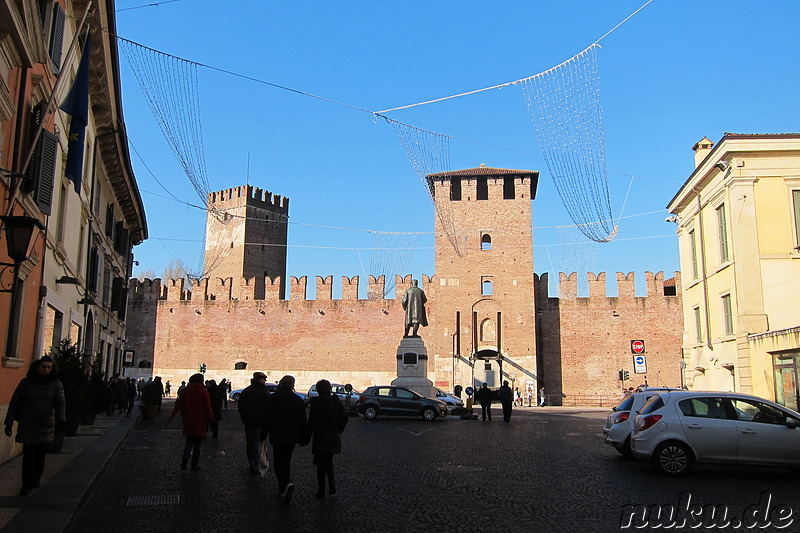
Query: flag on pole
(76, 104)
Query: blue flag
(76, 104)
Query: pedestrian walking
(542, 397)
(326, 420)
(160, 389)
(215, 394)
(484, 397)
(37, 406)
(506, 399)
(181, 388)
(131, 395)
(252, 406)
(225, 390)
(194, 406)
(286, 416)
(167, 388)
(517, 397)
(530, 396)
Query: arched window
(486, 287)
(241, 365)
(145, 364)
(486, 242)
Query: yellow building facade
(738, 219)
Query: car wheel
(428, 413)
(370, 412)
(672, 459)
(235, 397)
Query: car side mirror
(791, 423)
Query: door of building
(787, 391)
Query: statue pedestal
(412, 367)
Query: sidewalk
(68, 476)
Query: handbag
(263, 458)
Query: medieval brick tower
(246, 229)
(485, 311)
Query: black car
(385, 400)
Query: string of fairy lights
(563, 104)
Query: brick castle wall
(581, 343)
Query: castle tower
(246, 230)
(484, 271)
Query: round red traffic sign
(637, 346)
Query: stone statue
(414, 304)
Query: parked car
(398, 401)
(619, 424)
(453, 402)
(348, 399)
(677, 429)
(271, 387)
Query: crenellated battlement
(598, 288)
(223, 289)
(248, 195)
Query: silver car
(453, 402)
(348, 398)
(619, 423)
(677, 429)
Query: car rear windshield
(626, 404)
(653, 404)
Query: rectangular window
(796, 199)
(693, 253)
(698, 325)
(727, 311)
(723, 234)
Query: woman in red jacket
(195, 408)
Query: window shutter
(94, 266)
(121, 239)
(57, 38)
(117, 285)
(41, 171)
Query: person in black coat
(326, 421)
(506, 399)
(216, 395)
(484, 397)
(252, 406)
(38, 406)
(286, 417)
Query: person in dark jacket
(286, 416)
(506, 399)
(484, 397)
(252, 406)
(326, 421)
(38, 406)
(195, 408)
(216, 395)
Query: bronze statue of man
(414, 304)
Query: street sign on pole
(639, 364)
(637, 346)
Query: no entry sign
(637, 346)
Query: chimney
(701, 150)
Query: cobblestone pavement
(548, 470)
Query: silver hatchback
(677, 429)
(619, 423)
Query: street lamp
(18, 230)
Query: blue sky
(675, 72)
